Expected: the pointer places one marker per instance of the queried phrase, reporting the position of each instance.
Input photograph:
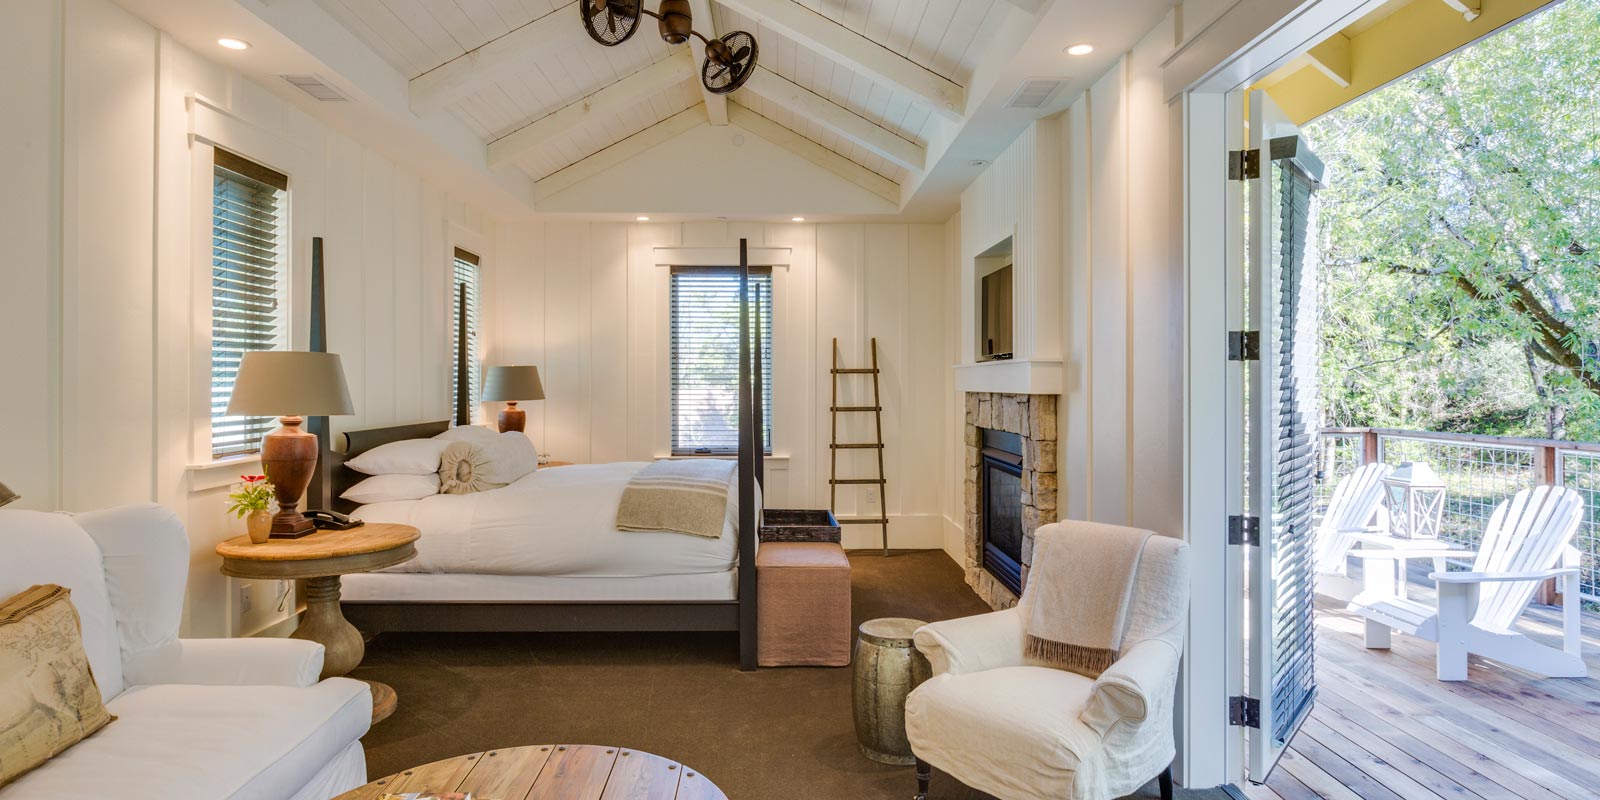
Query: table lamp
(290, 385)
(7, 496)
(511, 384)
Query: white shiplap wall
(118, 340)
(587, 303)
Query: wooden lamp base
(513, 418)
(289, 457)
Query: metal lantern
(1414, 495)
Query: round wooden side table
(548, 771)
(320, 559)
(887, 667)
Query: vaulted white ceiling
(538, 109)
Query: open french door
(1283, 176)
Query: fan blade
(741, 54)
(722, 69)
(611, 23)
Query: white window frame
(767, 395)
(213, 125)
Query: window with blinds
(466, 277)
(705, 358)
(248, 256)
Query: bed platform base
(710, 615)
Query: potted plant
(250, 500)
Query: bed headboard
(357, 442)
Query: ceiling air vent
(1034, 92)
(315, 86)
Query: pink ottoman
(802, 605)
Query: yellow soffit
(1352, 63)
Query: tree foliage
(1460, 239)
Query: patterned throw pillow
(48, 698)
(464, 468)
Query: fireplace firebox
(1000, 487)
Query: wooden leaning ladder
(834, 446)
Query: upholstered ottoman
(803, 605)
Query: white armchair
(1003, 724)
(196, 718)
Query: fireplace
(1000, 487)
(1009, 491)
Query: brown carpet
(773, 733)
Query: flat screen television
(995, 343)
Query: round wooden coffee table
(549, 772)
(320, 558)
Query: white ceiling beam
(578, 172)
(1331, 57)
(716, 104)
(821, 156)
(816, 32)
(516, 51)
(612, 100)
(1469, 9)
(840, 120)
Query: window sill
(773, 460)
(222, 471)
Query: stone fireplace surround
(1033, 417)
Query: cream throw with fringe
(1078, 609)
(684, 496)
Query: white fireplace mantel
(1012, 377)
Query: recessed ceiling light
(1081, 49)
(978, 162)
(234, 44)
(797, 219)
(642, 219)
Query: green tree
(1460, 239)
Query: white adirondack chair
(1528, 540)
(1356, 507)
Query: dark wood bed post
(463, 395)
(756, 380)
(317, 495)
(748, 436)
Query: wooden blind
(705, 358)
(247, 260)
(466, 275)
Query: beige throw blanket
(1079, 601)
(685, 496)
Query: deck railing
(1480, 471)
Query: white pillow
(397, 486)
(477, 434)
(406, 457)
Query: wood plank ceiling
(944, 38)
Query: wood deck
(1384, 728)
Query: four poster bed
(543, 553)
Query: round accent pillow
(463, 468)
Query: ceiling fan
(730, 58)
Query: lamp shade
(512, 383)
(7, 496)
(284, 383)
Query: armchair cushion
(243, 743)
(961, 722)
(230, 662)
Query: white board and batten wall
(105, 309)
(588, 303)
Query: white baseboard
(906, 532)
(954, 542)
(280, 629)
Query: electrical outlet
(872, 495)
(244, 599)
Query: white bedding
(559, 521)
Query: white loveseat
(196, 718)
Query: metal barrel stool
(887, 668)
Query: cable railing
(1479, 472)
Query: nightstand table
(320, 559)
